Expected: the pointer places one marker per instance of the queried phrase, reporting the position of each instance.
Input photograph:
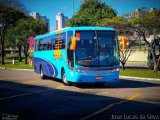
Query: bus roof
(74, 28)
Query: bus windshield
(97, 48)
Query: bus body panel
(50, 66)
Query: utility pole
(73, 7)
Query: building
(61, 21)
(37, 16)
(152, 9)
(140, 13)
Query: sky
(50, 8)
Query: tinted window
(45, 44)
(59, 41)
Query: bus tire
(64, 80)
(42, 74)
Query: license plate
(99, 77)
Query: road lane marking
(19, 95)
(60, 87)
(97, 112)
(110, 106)
(134, 96)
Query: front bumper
(82, 77)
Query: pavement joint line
(110, 106)
(24, 94)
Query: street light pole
(73, 7)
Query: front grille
(98, 71)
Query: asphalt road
(24, 96)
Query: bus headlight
(72, 74)
(79, 70)
(115, 70)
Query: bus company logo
(57, 54)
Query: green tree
(24, 29)
(91, 12)
(11, 40)
(8, 17)
(122, 27)
(126, 53)
(150, 22)
(14, 4)
(121, 24)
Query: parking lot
(24, 96)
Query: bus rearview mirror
(73, 43)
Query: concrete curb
(122, 77)
(16, 69)
(138, 78)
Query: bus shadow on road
(122, 83)
(53, 79)
(134, 84)
(65, 104)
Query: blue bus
(78, 55)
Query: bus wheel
(41, 74)
(64, 80)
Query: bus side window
(43, 44)
(39, 45)
(53, 42)
(49, 45)
(69, 35)
(35, 45)
(58, 41)
(63, 40)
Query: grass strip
(18, 65)
(145, 73)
